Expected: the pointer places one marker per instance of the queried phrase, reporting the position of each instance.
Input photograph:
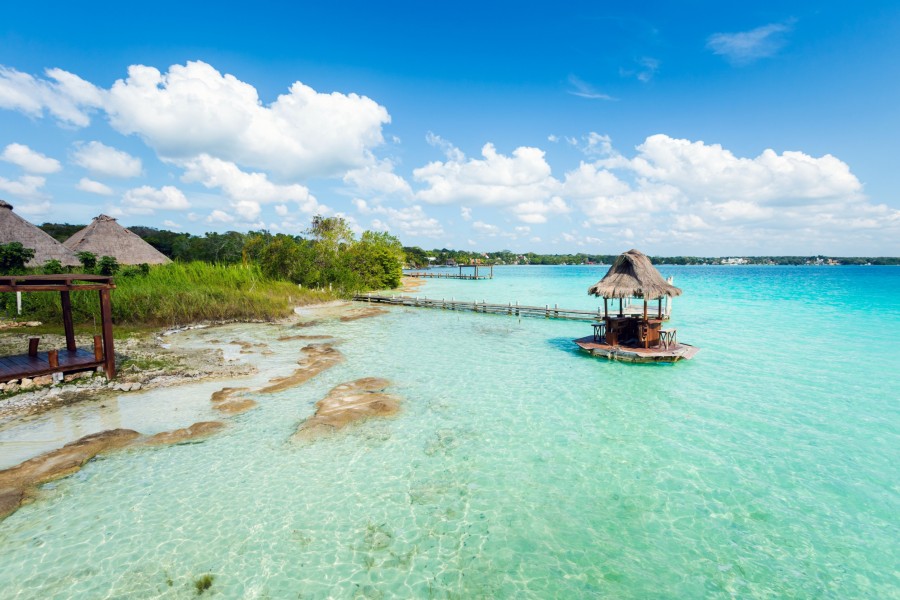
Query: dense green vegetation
(178, 294)
(329, 255)
(257, 275)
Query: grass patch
(174, 295)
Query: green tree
(377, 260)
(88, 261)
(13, 257)
(52, 267)
(107, 265)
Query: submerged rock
(362, 313)
(178, 436)
(291, 338)
(17, 483)
(224, 400)
(317, 358)
(349, 402)
(226, 393)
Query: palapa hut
(14, 228)
(105, 237)
(635, 337)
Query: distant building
(14, 228)
(105, 237)
(735, 261)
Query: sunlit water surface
(517, 467)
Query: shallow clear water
(518, 467)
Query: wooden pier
(510, 309)
(460, 275)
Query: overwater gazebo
(628, 336)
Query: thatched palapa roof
(14, 228)
(105, 237)
(633, 276)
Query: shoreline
(147, 361)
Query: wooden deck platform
(638, 355)
(23, 365)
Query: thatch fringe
(632, 275)
(14, 228)
(105, 237)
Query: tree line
(418, 258)
(327, 255)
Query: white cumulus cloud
(94, 187)
(410, 220)
(194, 109)
(521, 182)
(103, 160)
(247, 191)
(27, 187)
(378, 179)
(702, 194)
(64, 95)
(146, 199)
(219, 216)
(29, 160)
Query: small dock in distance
(509, 309)
(471, 276)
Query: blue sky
(677, 128)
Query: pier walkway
(509, 309)
(460, 275)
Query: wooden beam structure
(37, 363)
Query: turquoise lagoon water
(518, 467)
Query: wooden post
(605, 307)
(67, 320)
(645, 309)
(53, 358)
(659, 308)
(492, 271)
(620, 307)
(98, 348)
(33, 346)
(109, 355)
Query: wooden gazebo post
(68, 325)
(109, 355)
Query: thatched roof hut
(14, 228)
(632, 275)
(105, 237)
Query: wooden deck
(639, 355)
(23, 365)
